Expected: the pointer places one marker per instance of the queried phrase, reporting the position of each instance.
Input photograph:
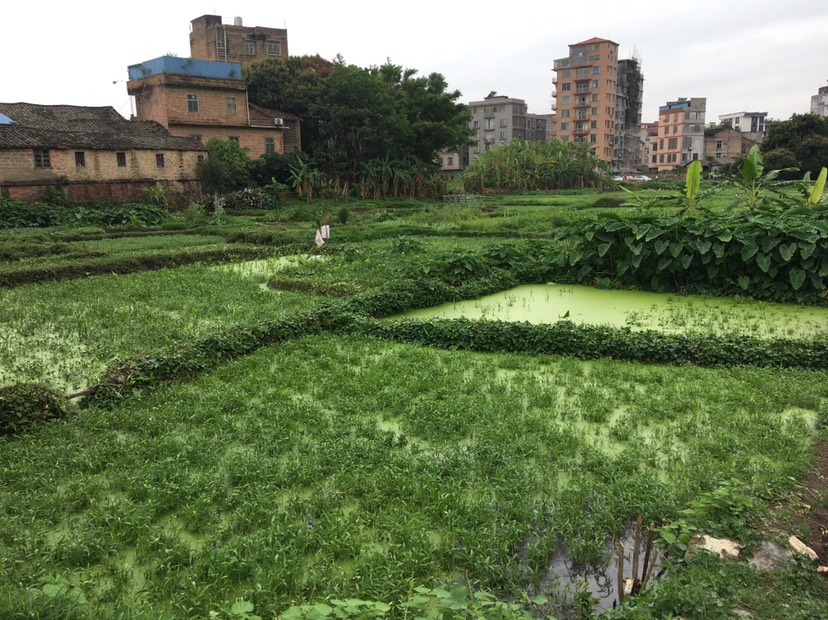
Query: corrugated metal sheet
(185, 66)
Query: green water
(638, 310)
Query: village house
(91, 153)
(725, 146)
(206, 99)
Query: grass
(342, 467)
(339, 467)
(64, 334)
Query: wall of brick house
(251, 138)
(97, 191)
(207, 29)
(149, 100)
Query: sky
(756, 56)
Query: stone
(800, 547)
(723, 547)
(770, 556)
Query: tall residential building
(819, 102)
(589, 83)
(498, 119)
(681, 132)
(210, 39)
(628, 143)
(751, 123)
(649, 150)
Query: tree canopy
(801, 141)
(352, 115)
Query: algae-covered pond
(638, 310)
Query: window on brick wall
(80, 159)
(250, 48)
(219, 43)
(274, 48)
(270, 146)
(159, 160)
(192, 103)
(231, 106)
(41, 158)
(120, 159)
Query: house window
(159, 160)
(718, 144)
(41, 158)
(489, 124)
(593, 124)
(476, 124)
(502, 135)
(80, 159)
(274, 48)
(566, 86)
(270, 146)
(199, 158)
(250, 48)
(502, 122)
(233, 139)
(450, 161)
(672, 143)
(220, 43)
(120, 158)
(596, 70)
(231, 106)
(192, 103)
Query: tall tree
(805, 136)
(290, 85)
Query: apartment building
(203, 99)
(753, 124)
(819, 102)
(499, 119)
(681, 132)
(598, 101)
(630, 94)
(210, 39)
(649, 146)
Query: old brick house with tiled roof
(90, 153)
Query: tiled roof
(593, 40)
(77, 127)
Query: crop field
(321, 466)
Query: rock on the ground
(800, 547)
(770, 556)
(724, 547)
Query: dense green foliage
(361, 123)
(24, 405)
(768, 255)
(23, 214)
(800, 142)
(520, 167)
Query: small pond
(638, 310)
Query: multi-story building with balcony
(597, 104)
(753, 124)
(210, 39)
(203, 99)
(498, 119)
(681, 132)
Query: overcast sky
(742, 55)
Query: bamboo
(647, 549)
(636, 549)
(620, 572)
(650, 569)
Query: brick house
(205, 99)
(91, 154)
(210, 39)
(725, 145)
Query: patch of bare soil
(806, 509)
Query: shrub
(248, 198)
(25, 404)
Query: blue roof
(5, 120)
(186, 66)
